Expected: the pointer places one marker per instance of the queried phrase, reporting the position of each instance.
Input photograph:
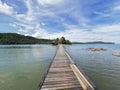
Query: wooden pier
(63, 74)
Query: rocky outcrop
(97, 49)
(117, 54)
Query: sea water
(22, 66)
(102, 68)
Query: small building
(54, 43)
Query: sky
(76, 20)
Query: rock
(117, 54)
(97, 49)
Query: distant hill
(96, 42)
(77, 43)
(13, 38)
(99, 42)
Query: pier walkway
(63, 74)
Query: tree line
(13, 38)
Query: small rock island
(97, 49)
(116, 54)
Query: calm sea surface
(22, 66)
(102, 68)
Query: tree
(57, 40)
(68, 42)
(62, 40)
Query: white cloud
(24, 17)
(29, 15)
(113, 28)
(49, 2)
(13, 25)
(73, 35)
(25, 28)
(108, 33)
(102, 14)
(41, 33)
(31, 22)
(5, 8)
(117, 8)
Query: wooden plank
(63, 88)
(60, 75)
(63, 74)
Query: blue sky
(77, 20)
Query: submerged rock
(97, 49)
(117, 54)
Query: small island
(97, 49)
(116, 54)
(62, 40)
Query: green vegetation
(13, 38)
(62, 40)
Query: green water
(22, 66)
(101, 67)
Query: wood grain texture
(61, 75)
